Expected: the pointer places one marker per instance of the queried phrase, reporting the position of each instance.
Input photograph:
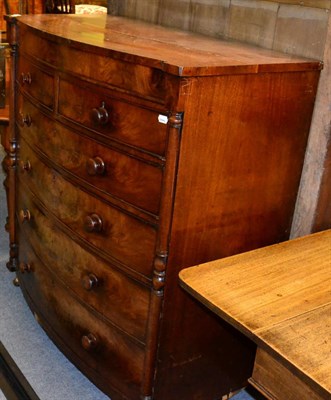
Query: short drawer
(107, 170)
(112, 294)
(36, 82)
(116, 119)
(138, 80)
(98, 347)
(110, 231)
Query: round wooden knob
(89, 341)
(11, 265)
(25, 120)
(93, 223)
(26, 78)
(90, 281)
(95, 166)
(16, 282)
(24, 267)
(100, 115)
(24, 215)
(25, 166)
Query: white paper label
(163, 119)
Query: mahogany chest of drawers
(134, 151)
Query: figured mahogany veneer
(135, 151)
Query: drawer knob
(100, 115)
(16, 282)
(24, 267)
(24, 215)
(90, 281)
(95, 166)
(93, 223)
(89, 341)
(25, 120)
(26, 78)
(25, 166)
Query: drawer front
(36, 82)
(107, 170)
(135, 79)
(275, 381)
(101, 348)
(115, 119)
(112, 294)
(112, 232)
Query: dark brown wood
(179, 149)
(9, 143)
(136, 179)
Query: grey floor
(50, 374)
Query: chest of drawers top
(175, 52)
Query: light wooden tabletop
(280, 297)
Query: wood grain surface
(280, 296)
(180, 53)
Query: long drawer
(105, 169)
(119, 235)
(112, 294)
(111, 355)
(275, 381)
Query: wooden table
(280, 297)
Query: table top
(280, 297)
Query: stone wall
(281, 25)
(313, 210)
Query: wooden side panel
(240, 163)
(242, 150)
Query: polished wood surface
(280, 297)
(180, 53)
(4, 116)
(134, 151)
(5, 72)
